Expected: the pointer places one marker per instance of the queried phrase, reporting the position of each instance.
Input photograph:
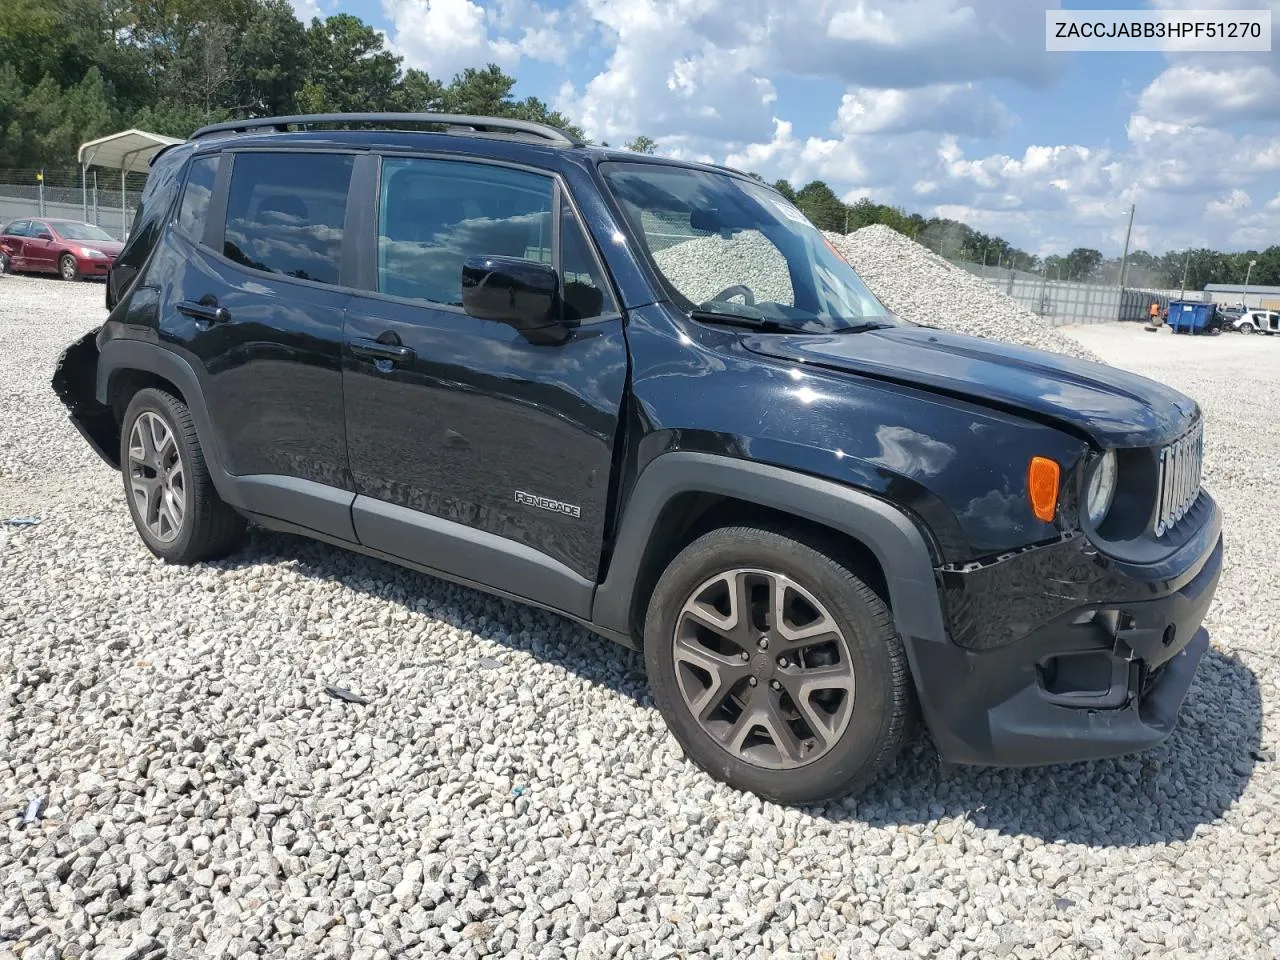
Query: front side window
(196, 196)
(434, 214)
(285, 213)
(585, 291)
(734, 249)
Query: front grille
(1179, 478)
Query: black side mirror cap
(524, 294)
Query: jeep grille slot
(1179, 483)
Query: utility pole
(1185, 266)
(1244, 299)
(1124, 259)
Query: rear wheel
(171, 497)
(777, 669)
(68, 269)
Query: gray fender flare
(117, 355)
(885, 530)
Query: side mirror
(524, 294)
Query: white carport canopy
(128, 151)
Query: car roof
(514, 146)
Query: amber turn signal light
(1042, 487)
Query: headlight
(1101, 488)
(93, 254)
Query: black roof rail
(393, 121)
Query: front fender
(886, 531)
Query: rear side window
(433, 214)
(194, 208)
(285, 213)
(16, 229)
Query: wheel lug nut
(763, 643)
(782, 661)
(751, 681)
(745, 655)
(776, 685)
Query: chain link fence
(1061, 302)
(61, 194)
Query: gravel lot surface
(917, 284)
(510, 791)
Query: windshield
(732, 247)
(70, 230)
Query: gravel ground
(920, 286)
(509, 789)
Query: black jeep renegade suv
(650, 396)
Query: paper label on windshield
(788, 211)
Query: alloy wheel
(68, 268)
(156, 477)
(763, 668)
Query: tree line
(74, 70)
(959, 241)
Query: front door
(37, 250)
(469, 441)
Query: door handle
(367, 349)
(209, 312)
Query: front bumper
(1106, 676)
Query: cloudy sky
(946, 107)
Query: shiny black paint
(271, 372)
(481, 411)
(524, 294)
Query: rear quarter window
(194, 208)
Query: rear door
(476, 450)
(257, 307)
(12, 241)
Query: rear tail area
(75, 381)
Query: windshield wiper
(863, 326)
(746, 320)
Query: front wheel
(1246, 328)
(68, 269)
(776, 668)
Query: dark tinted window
(285, 213)
(195, 197)
(586, 294)
(433, 214)
(18, 228)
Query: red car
(68, 248)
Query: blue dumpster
(1190, 316)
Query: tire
(68, 269)
(185, 522)
(1246, 328)
(866, 723)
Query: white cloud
(945, 108)
(1229, 206)
(1192, 94)
(682, 67)
(446, 36)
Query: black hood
(1112, 407)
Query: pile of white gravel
(175, 781)
(699, 267)
(911, 280)
(920, 286)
